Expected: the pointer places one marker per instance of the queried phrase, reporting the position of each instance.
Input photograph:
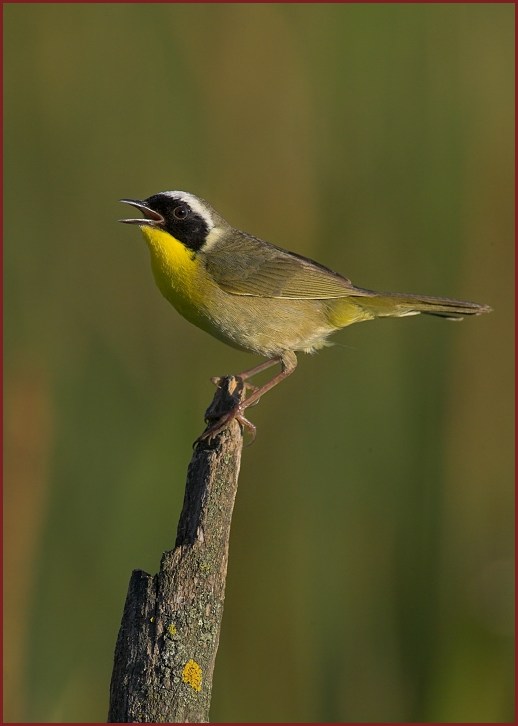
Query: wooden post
(169, 635)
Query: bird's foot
(221, 412)
(224, 421)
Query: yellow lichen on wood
(192, 674)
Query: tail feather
(398, 305)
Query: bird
(256, 296)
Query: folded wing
(245, 265)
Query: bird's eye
(181, 212)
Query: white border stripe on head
(195, 204)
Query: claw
(237, 385)
(246, 424)
(222, 423)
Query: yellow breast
(178, 274)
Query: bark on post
(169, 635)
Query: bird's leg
(288, 362)
(251, 372)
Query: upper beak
(150, 218)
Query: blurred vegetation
(371, 570)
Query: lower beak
(150, 218)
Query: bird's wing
(244, 265)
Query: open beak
(151, 218)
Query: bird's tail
(368, 304)
(398, 305)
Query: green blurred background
(371, 574)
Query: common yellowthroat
(256, 296)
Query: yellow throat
(177, 272)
